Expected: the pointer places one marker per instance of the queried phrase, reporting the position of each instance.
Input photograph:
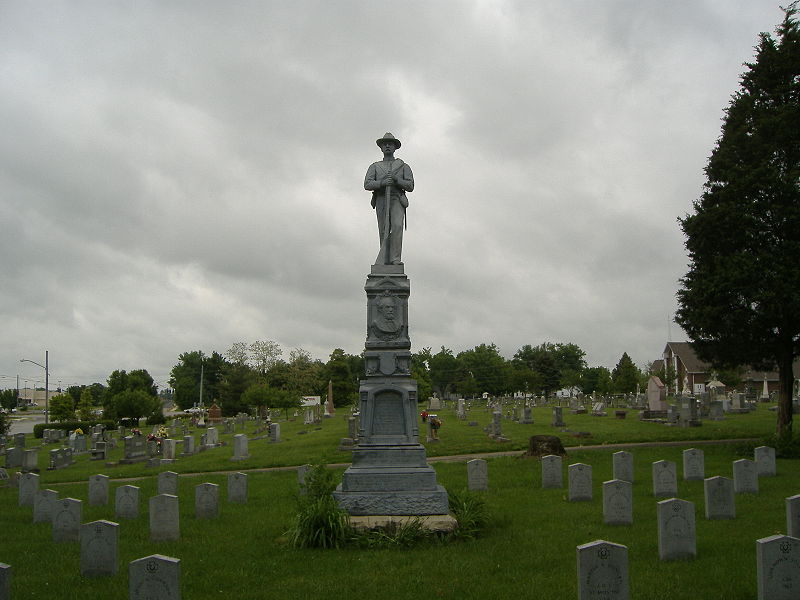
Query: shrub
(319, 523)
(469, 509)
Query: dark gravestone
(542, 445)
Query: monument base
(391, 480)
(409, 503)
(438, 523)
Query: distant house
(692, 375)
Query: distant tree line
(256, 376)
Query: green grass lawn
(527, 552)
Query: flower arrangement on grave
(78, 431)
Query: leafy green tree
(487, 367)
(75, 391)
(237, 377)
(135, 404)
(739, 301)
(305, 376)
(123, 397)
(8, 399)
(140, 379)
(543, 360)
(263, 355)
(117, 382)
(62, 408)
(259, 395)
(237, 354)
(421, 374)
(343, 381)
(84, 407)
(626, 375)
(524, 379)
(97, 390)
(444, 372)
(185, 378)
(596, 379)
(5, 423)
(285, 400)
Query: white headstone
(719, 498)
(778, 567)
(188, 445)
(665, 483)
(676, 529)
(302, 471)
(617, 502)
(67, 520)
(154, 577)
(693, 465)
(477, 474)
(212, 436)
(765, 461)
(168, 483)
(44, 502)
(603, 571)
(237, 488)
(240, 447)
(551, 471)
(745, 476)
(28, 486)
(275, 432)
(793, 516)
(622, 465)
(126, 502)
(164, 518)
(98, 490)
(206, 501)
(169, 448)
(99, 548)
(580, 482)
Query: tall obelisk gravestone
(389, 474)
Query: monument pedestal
(389, 474)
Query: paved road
(25, 424)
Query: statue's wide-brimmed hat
(388, 137)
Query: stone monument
(389, 474)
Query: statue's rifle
(387, 218)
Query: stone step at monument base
(393, 503)
(440, 523)
(389, 479)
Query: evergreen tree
(739, 301)
(625, 375)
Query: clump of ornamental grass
(319, 523)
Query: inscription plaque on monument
(387, 417)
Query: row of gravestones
(603, 565)
(778, 556)
(137, 448)
(99, 539)
(149, 578)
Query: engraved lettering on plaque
(387, 417)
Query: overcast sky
(180, 176)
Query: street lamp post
(46, 368)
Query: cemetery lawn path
(459, 457)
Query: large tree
(483, 369)
(739, 301)
(186, 375)
(626, 375)
(343, 381)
